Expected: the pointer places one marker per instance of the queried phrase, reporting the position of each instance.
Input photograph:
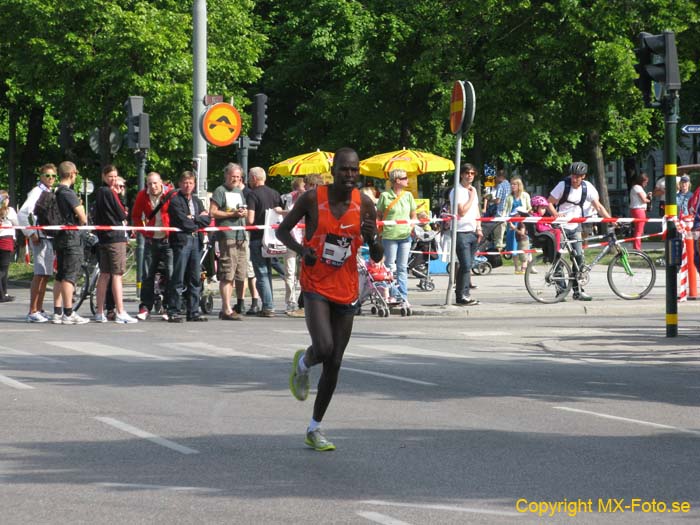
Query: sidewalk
(503, 294)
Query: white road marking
(389, 376)
(381, 518)
(147, 435)
(214, 350)
(409, 350)
(145, 486)
(18, 330)
(10, 354)
(629, 420)
(449, 508)
(14, 383)
(299, 332)
(482, 333)
(111, 352)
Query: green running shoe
(317, 441)
(299, 383)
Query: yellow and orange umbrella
(412, 161)
(316, 162)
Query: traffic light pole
(141, 156)
(673, 245)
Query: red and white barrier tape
(527, 220)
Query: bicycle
(86, 283)
(549, 278)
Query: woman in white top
(8, 217)
(639, 199)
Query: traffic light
(259, 116)
(138, 125)
(658, 62)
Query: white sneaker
(125, 318)
(57, 319)
(73, 318)
(36, 317)
(45, 315)
(100, 318)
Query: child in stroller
(423, 250)
(377, 287)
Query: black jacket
(179, 213)
(109, 212)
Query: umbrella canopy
(412, 161)
(316, 162)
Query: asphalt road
(436, 419)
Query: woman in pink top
(639, 199)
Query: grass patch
(21, 272)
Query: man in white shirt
(468, 231)
(42, 247)
(571, 205)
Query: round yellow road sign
(221, 124)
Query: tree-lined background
(554, 80)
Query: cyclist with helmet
(568, 199)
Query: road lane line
(110, 352)
(216, 351)
(483, 333)
(14, 383)
(144, 486)
(449, 508)
(410, 350)
(629, 420)
(10, 354)
(147, 435)
(18, 330)
(389, 376)
(381, 518)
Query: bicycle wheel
(80, 291)
(548, 283)
(631, 275)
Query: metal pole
(199, 81)
(671, 111)
(243, 146)
(453, 222)
(141, 156)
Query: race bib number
(336, 250)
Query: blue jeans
(465, 249)
(396, 259)
(575, 235)
(263, 273)
(186, 276)
(155, 252)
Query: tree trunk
(31, 159)
(599, 163)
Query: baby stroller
(376, 287)
(423, 250)
(483, 264)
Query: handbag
(271, 246)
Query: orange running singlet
(336, 241)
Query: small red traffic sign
(221, 124)
(457, 107)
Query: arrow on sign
(691, 128)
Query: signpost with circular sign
(457, 107)
(462, 109)
(221, 124)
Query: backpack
(567, 190)
(47, 212)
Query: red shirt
(336, 241)
(143, 208)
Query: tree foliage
(554, 79)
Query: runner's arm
(369, 228)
